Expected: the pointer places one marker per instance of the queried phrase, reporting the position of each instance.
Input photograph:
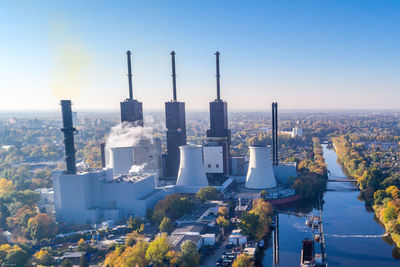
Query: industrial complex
(136, 175)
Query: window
(209, 165)
(217, 166)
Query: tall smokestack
(68, 130)
(275, 159)
(218, 85)
(273, 133)
(276, 134)
(128, 54)
(173, 75)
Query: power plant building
(176, 127)
(218, 135)
(131, 109)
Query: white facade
(213, 159)
(92, 197)
(236, 238)
(296, 131)
(260, 174)
(191, 170)
(121, 159)
(145, 155)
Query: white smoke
(126, 134)
(137, 168)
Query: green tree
(249, 223)
(166, 225)
(189, 255)
(207, 193)
(16, 257)
(135, 223)
(157, 251)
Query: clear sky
(303, 54)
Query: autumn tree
(43, 257)
(223, 211)
(41, 227)
(221, 221)
(243, 260)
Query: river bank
(391, 226)
(353, 236)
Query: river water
(353, 236)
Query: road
(212, 259)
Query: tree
(172, 206)
(243, 260)
(166, 225)
(221, 221)
(249, 224)
(43, 257)
(263, 194)
(42, 227)
(207, 193)
(223, 211)
(189, 254)
(157, 251)
(82, 245)
(135, 223)
(173, 257)
(6, 187)
(389, 214)
(16, 257)
(137, 255)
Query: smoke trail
(137, 168)
(125, 134)
(356, 236)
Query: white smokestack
(260, 174)
(191, 169)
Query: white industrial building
(95, 196)
(145, 155)
(213, 159)
(260, 174)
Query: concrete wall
(284, 172)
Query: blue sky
(303, 54)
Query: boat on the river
(307, 253)
(282, 197)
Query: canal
(353, 236)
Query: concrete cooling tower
(191, 170)
(260, 174)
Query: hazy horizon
(306, 55)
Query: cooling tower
(260, 174)
(191, 170)
(121, 159)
